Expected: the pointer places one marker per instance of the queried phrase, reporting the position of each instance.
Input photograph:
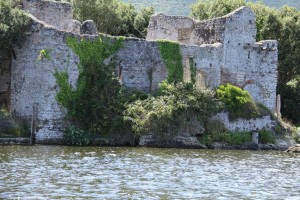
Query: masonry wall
(230, 56)
(56, 14)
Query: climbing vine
(193, 70)
(170, 52)
(97, 103)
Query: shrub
(238, 102)
(175, 107)
(296, 134)
(266, 137)
(75, 136)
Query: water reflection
(55, 172)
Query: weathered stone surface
(245, 125)
(14, 141)
(240, 60)
(171, 142)
(88, 27)
(56, 14)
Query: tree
(113, 17)
(12, 24)
(281, 24)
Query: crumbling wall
(176, 28)
(56, 14)
(230, 56)
(140, 65)
(207, 60)
(33, 83)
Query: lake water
(60, 172)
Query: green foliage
(296, 134)
(113, 16)
(12, 24)
(170, 53)
(75, 136)
(266, 137)
(238, 102)
(172, 110)
(193, 70)
(237, 138)
(12, 127)
(97, 102)
(281, 24)
(44, 54)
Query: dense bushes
(174, 108)
(281, 24)
(238, 102)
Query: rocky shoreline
(175, 142)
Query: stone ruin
(224, 50)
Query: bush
(238, 102)
(296, 134)
(175, 107)
(75, 136)
(266, 137)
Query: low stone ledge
(14, 141)
(249, 146)
(174, 142)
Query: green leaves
(12, 23)
(238, 102)
(97, 103)
(170, 53)
(113, 16)
(174, 109)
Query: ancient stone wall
(223, 50)
(56, 14)
(241, 61)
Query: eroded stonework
(223, 50)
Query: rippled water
(58, 172)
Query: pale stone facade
(223, 50)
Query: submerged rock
(294, 149)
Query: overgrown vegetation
(238, 102)
(76, 136)
(173, 110)
(12, 26)
(281, 24)
(10, 127)
(96, 103)
(216, 132)
(170, 52)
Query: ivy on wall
(97, 103)
(170, 53)
(193, 70)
